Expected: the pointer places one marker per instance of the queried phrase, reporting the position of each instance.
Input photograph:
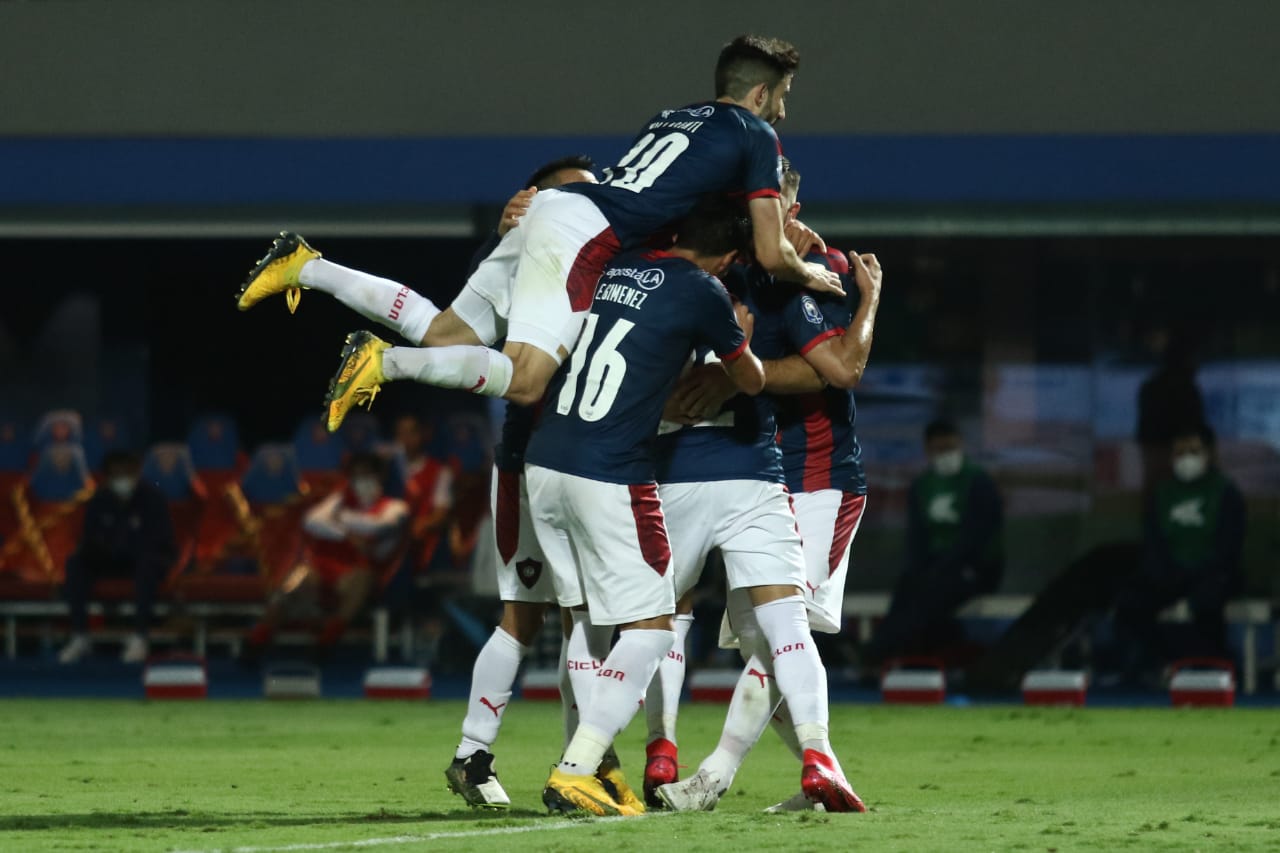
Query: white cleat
(699, 793)
(797, 803)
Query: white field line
(549, 826)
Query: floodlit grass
(114, 775)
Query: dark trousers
(1140, 636)
(921, 612)
(84, 569)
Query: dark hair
(540, 178)
(370, 462)
(790, 177)
(748, 61)
(120, 459)
(716, 226)
(940, 428)
(1200, 430)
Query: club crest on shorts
(812, 312)
(529, 570)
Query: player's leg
(626, 582)
(291, 265)
(828, 520)
(525, 589)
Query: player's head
(714, 233)
(943, 447)
(790, 190)
(755, 72)
(1192, 451)
(120, 471)
(574, 169)
(364, 474)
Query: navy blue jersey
(600, 415)
(679, 156)
(738, 443)
(516, 429)
(816, 432)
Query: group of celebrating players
(653, 417)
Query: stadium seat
(214, 441)
(102, 436)
(319, 454)
(168, 467)
(360, 432)
(269, 503)
(49, 507)
(59, 426)
(15, 453)
(214, 445)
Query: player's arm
(361, 523)
(776, 254)
(791, 375)
(321, 521)
(742, 366)
(841, 359)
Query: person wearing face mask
(127, 534)
(953, 545)
(352, 535)
(1193, 532)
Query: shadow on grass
(189, 821)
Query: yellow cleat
(359, 376)
(568, 793)
(278, 272)
(615, 782)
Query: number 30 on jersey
(647, 160)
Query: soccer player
(826, 347)
(590, 464)
(536, 287)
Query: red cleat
(823, 784)
(660, 768)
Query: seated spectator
(429, 490)
(1193, 532)
(953, 548)
(353, 535)
(127, 534)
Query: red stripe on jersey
(848, 517)
(819, 442)
(735, 355)
(506, 514)
(824, 336)
(588, 267)
(766, 193)
(651, 528)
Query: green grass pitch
(358, 775)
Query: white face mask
(122, 486)
(948, 463)
(366, 489)
(1190, 466)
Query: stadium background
(1048, 186)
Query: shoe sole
(558, 802)
(275, 253)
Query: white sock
(568, 702)
(586, 650)
(797, 667)
(479, 370)
(615, 696)
(754, 698)
(379, 299)
(492, 678)
(785, 728)
(662, 701)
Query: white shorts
(618, 539)
(750, 521)
(526, 572)
(828, 520)
(537, 284)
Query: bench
(202, 614)
(1249, 613)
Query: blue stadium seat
(15, 449)
(169, 468)
(103, 436)
(214, 441)
(59, 426)
(60, 473)
(316, 449)
(273, 476)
